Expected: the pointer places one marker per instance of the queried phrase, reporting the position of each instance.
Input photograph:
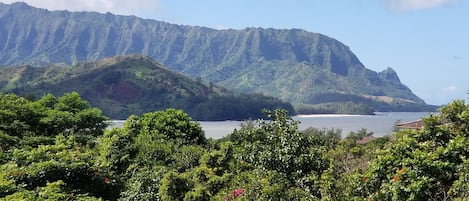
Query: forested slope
(136, 84)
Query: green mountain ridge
(136, 84)
(291, 64)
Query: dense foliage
(289, 64)
(164, 155)
(426, 164)
(49, 116)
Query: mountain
(135, 84)
(315, 72)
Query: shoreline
(330, 115)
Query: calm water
(380, 125)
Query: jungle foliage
(58, 148)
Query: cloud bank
(142, 8)
(410, 5)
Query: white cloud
(142, 8)
(409, 5)
(221, 27)
(451, 89)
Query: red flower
(106, 180)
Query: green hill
(315, 72)
(136, 84)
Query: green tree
(71, 114)
(157, 143)
(65, 161)
(174, 186)
(172, 124)
(49, 116)
(279, 146)
(48, 101)
(17, 116)
(425, 164)
(117, 150)
(144, 184)
(71, 102)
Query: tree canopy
(58, 149)
(49, 116)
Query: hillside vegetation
(57, 148)
(136, 84)
(313, 71)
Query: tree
(144, 184)
(426, 164)
(172, 124)
(65, 162)
(71, 114)
(17, 116)
(279, 146)
(71, 102)
(175, 186)
(49, 116)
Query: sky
(425, 41)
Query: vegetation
(426, 164)
(136, 84)
(58, 149)
(290, 64)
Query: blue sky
(425, 41)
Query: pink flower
(234, 194)
(237, 192)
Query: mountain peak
(20, 4)
(390, 75)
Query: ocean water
(380, 124)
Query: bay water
(380, 124)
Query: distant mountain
(311, 70)
(136, 84)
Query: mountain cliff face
(292, 64)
